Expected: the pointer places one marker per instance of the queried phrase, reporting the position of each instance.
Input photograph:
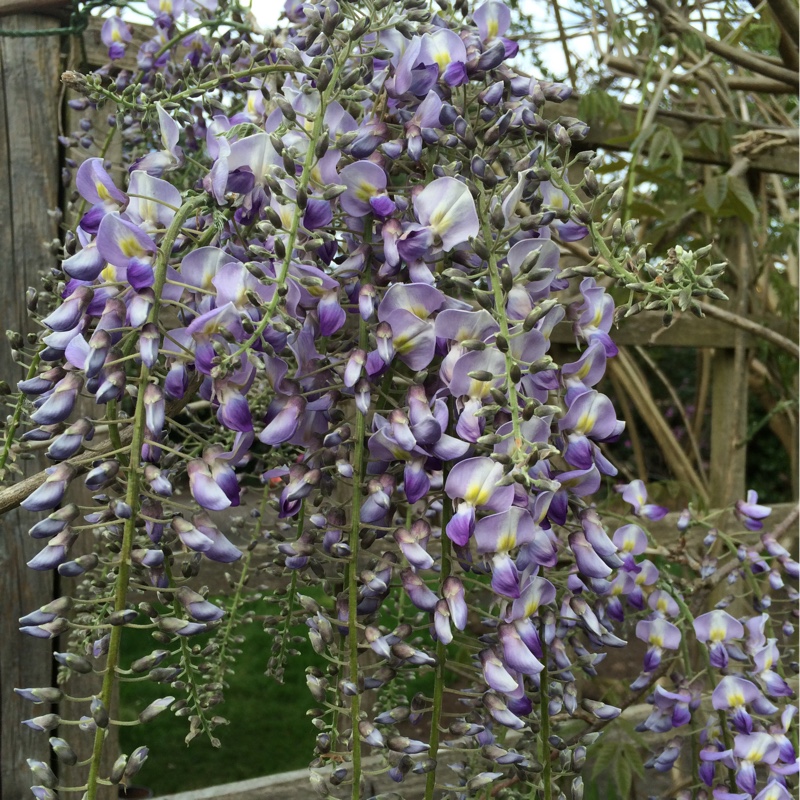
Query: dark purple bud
(51, 492)
(44, 723)
(101, 475)
(69, 313)
(64, 753)
(136, 761)
(99, 712)
(55, 523)
(149, 341)
(155, 708)
(59, 404)
(197, 606)
(112, 386)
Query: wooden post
(29, 188)
(729, 396)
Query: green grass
(269, 731)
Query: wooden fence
(30, 111)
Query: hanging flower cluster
(336, 272)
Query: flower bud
(64, 753)
(155, 708)
(74, 662)
(42, 773)
(135, 762)
(118, 769)
(99, 712)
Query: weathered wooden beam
(618, 136)
(686, 330)
(647, 329)
(29, 188)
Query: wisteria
(308, 333)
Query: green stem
(301, 519)
(305, 178)
(352, 589)
(225, 639)
(597, 238)
(132, 496)
(441, 656)
(544, 721)
(687, 663)
(500, 310)
(712, 679)
(16, 417)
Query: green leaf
(598, 106)
(658, 145)
(741, 199)
(665, 144)
(602, 754)
(623, 775)
(709, 136)
(631, 732)
(715, 191)
(641, 140)
(693, 42)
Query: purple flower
(734, 693)
(52, 491)
(204, 537)
(421, 596)
(635, 493)
(660, 635)
(366, 190)
(717, 627)
(750, 514)
(447, 209)
(496, 674)
(453, 592)
(412, 544)
(752, 749)
(594, 317)
(474, 483)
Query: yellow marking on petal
(109, 274)
(531, 607)
(130, 247)
(287, 216)
(717, 633)
(757, 751)
(507, 541)
(437, 218)
(656, 639)
(478, 389)
(442, 58)
(586, 422)
(477, 494)
(735, 698)
(402, 343)
(365, 191)
(100, 188)
(493, 28)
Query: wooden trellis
(30, 106)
